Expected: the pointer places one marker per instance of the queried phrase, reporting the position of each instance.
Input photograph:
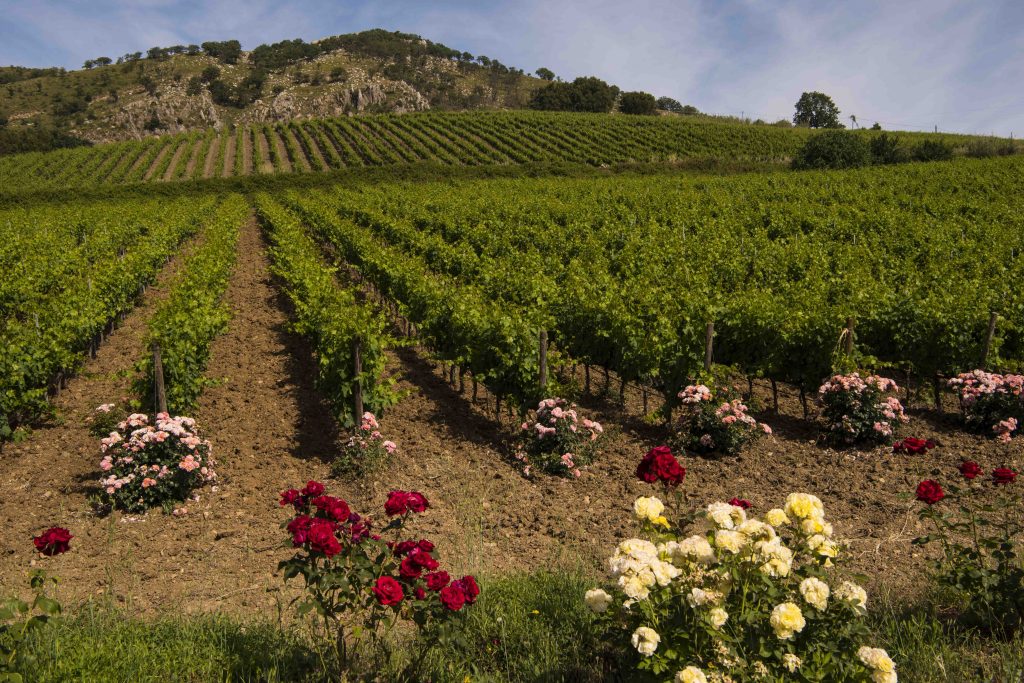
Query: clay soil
(272, 431)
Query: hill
(184, 88)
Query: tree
(833, 149)
(227, 51)
(817, 110)
(640, 103)
(669, 104)
(195, 86)
(877, 126)
(586, 93)
(88, 64)
(933, 150)
(545, 73)
(689, 110)
(103, 61)
(210, 74)
(885, 149)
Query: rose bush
(558, 441)
(980, 527)
(856, 409)
(990, 403)
(361, 583)
(153, 464)
(366, 450)
(715, 421)
(737, 598)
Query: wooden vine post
(709, 345)
(989, 336)
(543, 351)
(357, 373)
(159, 392)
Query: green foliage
(932, 150)
(833, 149)
(193, 314)
(330, 317)
(210, 74)
(585, 94)
(886, 149)
(18, 621)
(637, 103)
(669, 104)
(227, 51)
(195, 86)
(19, 140)
(817, 110)
(276, 55)
(545, 74)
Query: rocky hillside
(183, 88)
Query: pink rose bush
(715, 421)
(991, 403)
(145, 464)
(366, 450)
(857, 410)
(105, 418)
(362, 583)
(558, 441)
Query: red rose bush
(857, 410)
(715, 421)
(366, 450)
(978, 523)
(145, 464)
(721, 594)
(990, 403)
(558, 441)
(360, 582)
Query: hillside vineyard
(445, 139)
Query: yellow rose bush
(722, 595)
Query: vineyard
(423, 343)
(445, 139)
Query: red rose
(1003, 475)
(437, 580)
(741, 503)
(313, 489)
(409, 570)
(452, 597)
(420, 593)
(913, 445)
(404, 547)
(425, 545)
(299, 529)
(321, 537)
(970, 469)
(422, 559)
(290, 497)
(53, 541)
(388, 591)
(929, 491)
(660, 465)
(397, 503)
(417, 502)
(335, 508)
(467, 584)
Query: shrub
(558, 442)
(981, 544)
(366, 450)
(158, 464)
(886, 149)
(357, 582)
(990, 403)
(715, 421)
(856, 409)
(640, 103)
(739, 596)
(932, 150)
(833, 149)
(105, 419)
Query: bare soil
(282, 152)
(164, 151)
(211, 157)
(266, 164)
(175, 160)
(272, 431)
(193, 159)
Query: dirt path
(275, 139)
(320, 162)
(175, 160)
(266, 164)
(47, 479)
(193, 159)
(229, 155)
(164, 151)
(248, 158)
(211, 157)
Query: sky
(907, 64)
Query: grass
(524, 627)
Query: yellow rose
(853, 593)
(804, 506)
(645, 640)
(597, 600)
(815, 592)
(691, 674)
(648, 509)
(776, 517)
(787, 619)
(718, 616)
(733, 541)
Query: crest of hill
(216, 84)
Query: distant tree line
(24, 139)
(13, 74)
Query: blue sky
(910, 64)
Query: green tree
(933, 150)
(227, 51)
(669, 104)
(210, 74)
(195, 86)
(885, 149)
(545, 73)
(689, 110)
(817, 110)
(833, 149)
(640, 103)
